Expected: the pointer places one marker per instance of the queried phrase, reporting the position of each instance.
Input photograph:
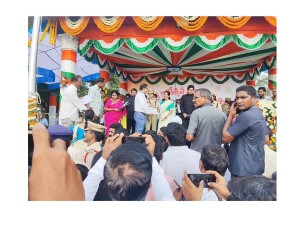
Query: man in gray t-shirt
(206, 122)
(247, 135)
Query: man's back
(246, 151)
(179, 158)
(206, 125)
(95, 94)
(70, 104)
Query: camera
(139, 139)
(127, 138)
(196, 178)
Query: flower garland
(272, 20)
(147, 18)
(32, 112)
(190, 18)
(53, 31)
(269, 110)
(43, 34)
(107, 24)
(148, 23)
(233, 22)
(109, 21)
(106, 94)
(190, 25)
(73, 27)
(106, 91)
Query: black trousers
(131, 125)
(185, 122)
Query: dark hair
(114, 91)
(75, 78)
(160, 144)
(205, 93)
(127, 95)
(102, 194)
(214, 157)
(262, 88)
(116, 126)
(120, 130)
(249, 89)
(168, 93)
(164, 131)
(88, 116)
(100, 80)
(83, 171)
(127, 172)
(99, 136)
(133, 89)
(252, 188)
(142, 86)
(176, 134)
(190, 86)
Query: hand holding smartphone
(196, 178)
(179, 189)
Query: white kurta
(70, 104)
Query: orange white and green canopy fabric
(193, 57)
(175, 49)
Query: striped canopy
(218, 57)
(174, 49)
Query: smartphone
(182, 197)
(139, 139)
(196, 178)
(176, 183)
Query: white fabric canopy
(49, 58)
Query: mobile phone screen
(129, 139)
(196, 178)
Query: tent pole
(33, 54)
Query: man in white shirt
(55, 177)
(95, 93)
(213, 157)
(127, 172)
(70, 103)
(178, 156)
(141, 109)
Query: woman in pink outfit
(113, 111)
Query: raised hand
(54, 176)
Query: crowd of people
(152, 156)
